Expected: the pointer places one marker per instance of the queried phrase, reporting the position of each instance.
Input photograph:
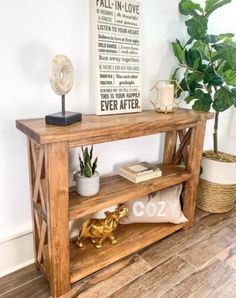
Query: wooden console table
(54, 204)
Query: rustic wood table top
(99, 129)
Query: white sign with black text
(117, 56)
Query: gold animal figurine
(100, 229)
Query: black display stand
(63, 118)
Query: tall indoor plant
(207, 64)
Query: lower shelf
(131, 238)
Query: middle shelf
(116, 189)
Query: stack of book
(140, 172)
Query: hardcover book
(140, 172)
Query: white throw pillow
(160, 207)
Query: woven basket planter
(215, 198)
(217, 186)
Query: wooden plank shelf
(116, 189)
(86, 260)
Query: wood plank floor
(200, 262)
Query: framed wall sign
(116, 38)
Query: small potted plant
(87, 179)
(207, 65)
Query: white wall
(31, 33)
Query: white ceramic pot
(218, 172)
(87, 187)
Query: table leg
(56, 168)
(194, 164)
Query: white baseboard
(16, 268)
(16, 253)
(12, 236)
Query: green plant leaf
(228, 41)
(193, 59)
(91, 152)
(219, 46)
(212, 5)
(223, 99)
(192, 83)
(189, 84)
(88, 170)
(203, 49)
(81, 166)
(183, 85)
(82, 148)
(189, 98)
(202, 105)
(189, 42)
(233, 90)
(197, 27)
(178, 50)
(227, 53)
(86, 156)
(225, 35)
(209, 88)
(187, 7)
(174, 78)
(211, 38)
(203, 68)
(212, 78)
(186, 79)
(174, 75)
(230, 77)
(196, 76)
(94, 167)
(203, 102)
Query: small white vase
(87, 186)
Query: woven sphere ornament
(62, 75)
(61, 81)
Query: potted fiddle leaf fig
(207, 74)
(87, 179)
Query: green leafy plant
(87, 166)
(207, 61)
